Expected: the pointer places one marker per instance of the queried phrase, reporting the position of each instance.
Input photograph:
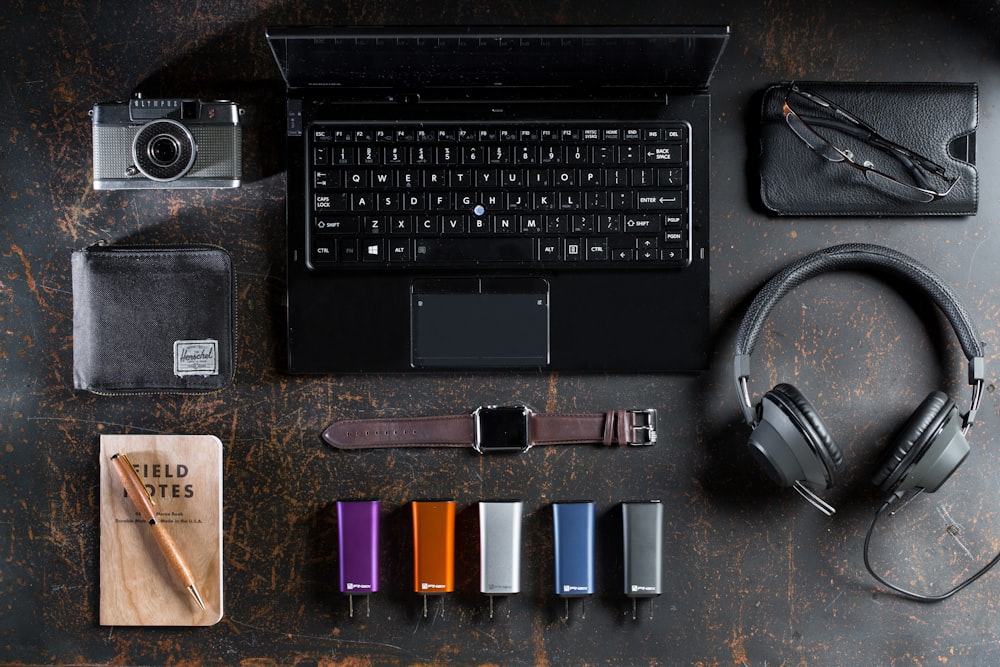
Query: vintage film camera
(166, 144)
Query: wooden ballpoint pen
(144, 503)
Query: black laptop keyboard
(550, 195)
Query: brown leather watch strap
(609, 428)
(619, 427)
(453, 431)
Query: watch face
(503, 429)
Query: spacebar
(474, 250)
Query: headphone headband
(855, 256)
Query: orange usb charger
(433, 548)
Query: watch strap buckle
(638, 427)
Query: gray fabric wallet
(153, 319)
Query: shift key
(660, 200)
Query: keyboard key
(399, 250)
(549, 250)
(505, 224)
(328, 202)
(428, 225)
(368, 155)
(526, 155)
(623, 254)
(401, 225)
(597, 250)
(341, 155)
(643, 223)
(663, 154)
(383, 179)
(452, 225)
(531, 224)
(325, 252)
(659, 199)
(578, 154)
(574, 250)
(390, 201)
(363, 202)
(474, 250)
(551, 155)
(373, 226)
(373, 251)
(500, 155)
(340, 225)
(609, 223)
(349, 250)
(674, 255)
(630, 154)
(671, 177)
(327, 180)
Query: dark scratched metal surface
(753, 575)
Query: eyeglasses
(915, 164)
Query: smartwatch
(492, 429)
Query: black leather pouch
(153, 319)
(935, 120)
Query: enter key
(660, 200)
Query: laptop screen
(487, 57)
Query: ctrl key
(324, 252)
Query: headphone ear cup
(926, 451)
(791, 441)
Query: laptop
(488, 198)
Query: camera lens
(164, 150)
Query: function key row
(323, 134)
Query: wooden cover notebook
(184, 477)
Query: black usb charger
(642, 524)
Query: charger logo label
(637, 589)
(425, 586)
(352, 587)
(573, 589)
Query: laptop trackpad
(477, 322)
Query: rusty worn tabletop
(753, 575)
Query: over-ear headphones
(789, 438)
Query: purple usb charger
(357, 530)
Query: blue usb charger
(573, 524)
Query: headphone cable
(910, 594)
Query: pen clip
(134, 477)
